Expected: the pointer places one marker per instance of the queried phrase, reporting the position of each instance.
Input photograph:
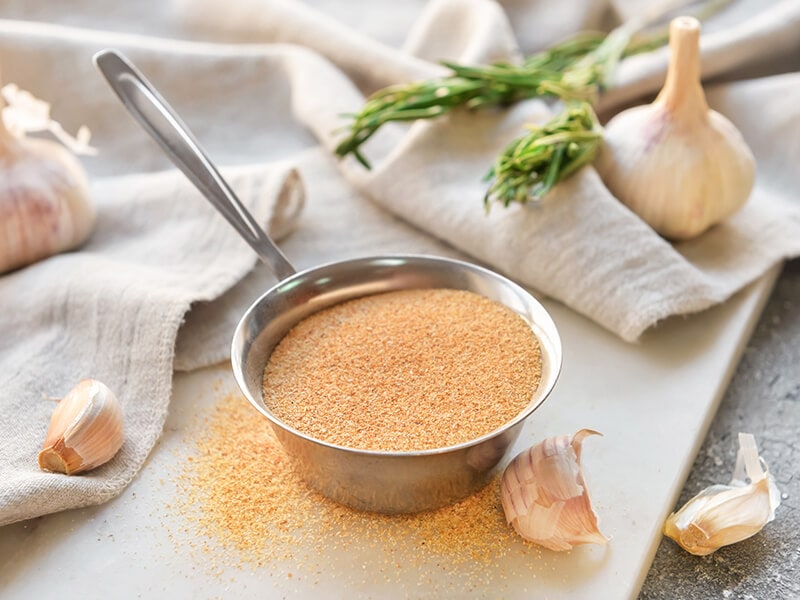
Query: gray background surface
(763, 399)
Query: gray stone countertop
(763, 398)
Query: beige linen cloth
(262, 83)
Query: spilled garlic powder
(248, 509)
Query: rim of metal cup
(544, 329)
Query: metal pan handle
(158, 118)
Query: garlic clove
(678, 165)
(725, 514)
(44, 195)
(544, 495)
(85, 430)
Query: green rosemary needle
(532, 164)
(545, 73)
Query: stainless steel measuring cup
(390, 482)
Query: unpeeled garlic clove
(544, 495)
(721, 515)
(678, 165)
(44, 194)
(85, 430)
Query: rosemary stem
(575, 71)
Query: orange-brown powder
(406, 370)
(248, 507)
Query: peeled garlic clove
(85, 430)
(544, 495)
(725, 514)
(678, 165)
(44, 200)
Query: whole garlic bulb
(85, 430)
(44, 200)
(677, 164)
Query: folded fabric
(581, 246)
(111, 311)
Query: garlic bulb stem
(682, 90)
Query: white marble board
(653, 401)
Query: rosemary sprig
(531, 165)
(574, 71)
(473, 87)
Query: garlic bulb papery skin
(544, 495)
(44, 200)
(85, 430)
(721, 515)
(678, 165)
